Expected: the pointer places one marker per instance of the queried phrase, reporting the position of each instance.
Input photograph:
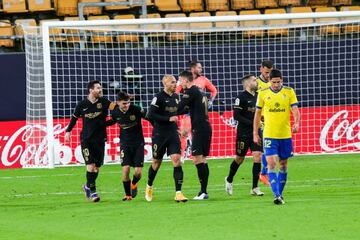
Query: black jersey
(163, 106)
(197, 104)
(131, 132)
(244, 112)
(93, 118)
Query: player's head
(276, 79)
(265, 69)
(185, 77)
(249, 82)
(94, 88)
(169, 83)
(195, 67)
(123, 101)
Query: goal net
(318, 54)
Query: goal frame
(46, 26)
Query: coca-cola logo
(344, 135)
(28, 145)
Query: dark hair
(122, 96)
(246, 77)
(193, 63)
(275, 74)
(186, 74)
(91, 84)
(267, 63)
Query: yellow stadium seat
(252, 33)
(148, 3)
(119, 7)
(328, 29)
(40, 5)
(242, 4)
(101, 37)
(127, 37)
(14, 6)
(73, 35)
(217, 5)
(350, 8)
(294, 3)
(302, 10)
(316, 3)
(176, 36)
(341, 2)
(54, 33)
(154, 26)
(351, 28)
(66, 8)
(266, 3)
(205, 25)
(191, 5)
(6, 30)
(226, 24)
(277, 31)
(167, 5)
(91, 10)
(19, 23)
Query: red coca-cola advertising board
(323, 129)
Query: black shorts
(132, 156)
(93, 152)
(244, 142)
(201, 142)
(168, 142)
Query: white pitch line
(211, 188)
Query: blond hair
(167, 78)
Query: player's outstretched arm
(296, 114)
(257, 118)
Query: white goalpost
(318, 54)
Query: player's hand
(173, 119)
(295, 128)
(210, 104)
(67, 137)
(257, 139)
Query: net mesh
(320, 60)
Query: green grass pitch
(322, 202)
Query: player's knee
(257, 157)
(239, 159)
(283, 165)
(155, 164)
(137, 172)
(92, 168)
(271, 162)
(176, 159)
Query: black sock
(135, 180)
(233, 169)
(207, 172)
(127, 188)
(255, 172)
(151, 176)
(201, 169)
(90, 183)
(178, 177)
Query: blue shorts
(281, 147)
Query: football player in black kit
(196, 103)
(165, 137)
(244, 112)
(93, 110)
(129, 117)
